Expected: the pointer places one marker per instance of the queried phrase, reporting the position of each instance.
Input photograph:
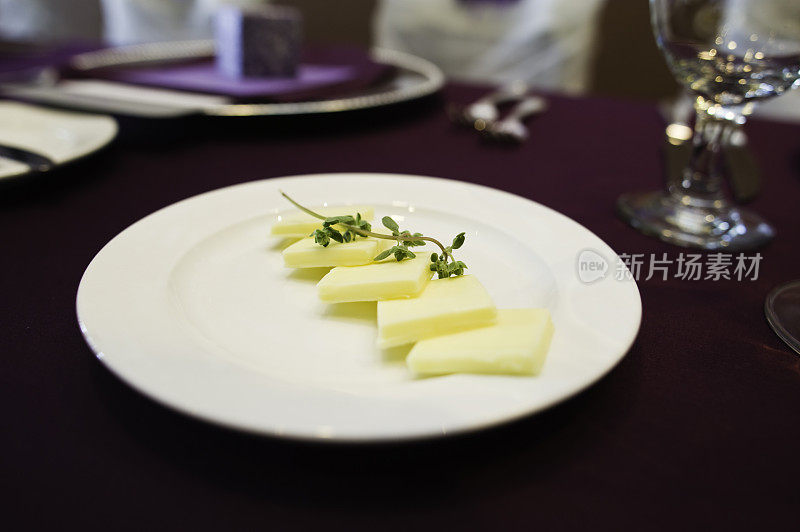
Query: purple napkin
(323, 73)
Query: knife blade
(37, 161)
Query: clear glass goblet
(782, 309)
(729, 54)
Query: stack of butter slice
(452, 323)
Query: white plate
(193, 307)
(62, 136)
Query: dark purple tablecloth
(698, 428)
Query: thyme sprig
(442, 267)
(444, 264)
(329, 232)
(400, 250)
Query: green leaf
(434, 257)
(332, 220)
(383, 254)
(410, 254)
(417, 242)
(458, 241)
(321, 237)
(390, 224)
(336, 235)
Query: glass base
(662, 215)
(783, 313)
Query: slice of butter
(306, 253)
(299, 224)
(516, 345)
(445, 306)
(378, 281)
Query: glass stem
(701, 182)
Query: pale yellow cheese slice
(445, 306)
(378, 281)
(517, 344)
(306, 253)
(299, 224)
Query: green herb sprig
(444, 264)
(400, 250)
(442, 267)
(328, 232)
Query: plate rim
(409, 435)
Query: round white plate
(59, 135)
(192, 306)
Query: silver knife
(37, 161)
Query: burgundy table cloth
(698, 428)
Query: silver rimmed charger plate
(193, 307)
(415, 78)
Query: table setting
(355, 292)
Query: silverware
(37, 161)
(511, 129)
(479, 113)
(153, 53)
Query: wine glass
(782, 308)
(729, 54)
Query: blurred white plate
(192, 306)
(60, 135)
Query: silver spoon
(511, 129)
(484, 110)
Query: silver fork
(511, 128)
(484, 110)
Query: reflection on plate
(193, 307)
(61, 136)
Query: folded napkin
(323, 73)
